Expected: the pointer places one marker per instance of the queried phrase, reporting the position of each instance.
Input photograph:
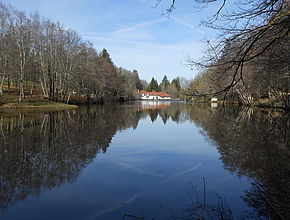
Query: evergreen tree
(153, 85)
(106, 56)
(138, 82)
(164, 84)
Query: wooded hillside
(37, 54)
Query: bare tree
(36, 51)
(249, 30)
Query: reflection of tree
(170, 110)
(45, 150)
(164, 116)
(153, 114)
(176, 116)
(254, 144)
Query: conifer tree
(153, 85)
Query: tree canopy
(38, 53)
(153, 86)
(250, 58)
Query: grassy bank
(11, 102)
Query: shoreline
(43, 104)
(34, 104)
(254, 105)
(42, 107)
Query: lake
(145, 160)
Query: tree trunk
(45, 93)
(21, 90)
(68, 98)
(22, 64)
(31, 91)
(1, 86)
(9, 89)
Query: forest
(43, 58)
(249, 62)
(176, 88)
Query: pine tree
(153, 85)
(106, 56)
(164, 84)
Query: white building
(154, 95)
(214, 99)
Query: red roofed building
(154, 95)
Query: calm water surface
(146, 159)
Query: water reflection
(46, 150)
(254, 143)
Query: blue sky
(133, 31)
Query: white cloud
(139, 25)
(180, 21)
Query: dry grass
(11, 102)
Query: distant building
(214, 99)
(154, 95)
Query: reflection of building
(214, 104)
(154, 105)
(154, 95)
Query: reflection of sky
(147, 168)
(135, 33)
